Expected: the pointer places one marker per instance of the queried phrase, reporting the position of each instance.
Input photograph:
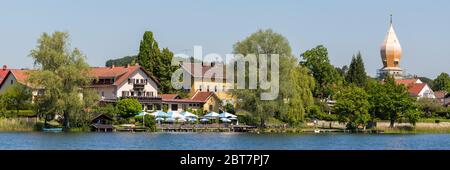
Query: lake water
(226, 141)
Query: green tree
(109, 110)
(229, 108)
(413, 116)
(389, 101)
(357, 73)
(127, 108)
(352, 106)
(429, 106)
(121, 61)
(295, 83)
(156, 61)
(442, 82)
(327, 77)
(17, 96)
(63, 73)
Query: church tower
(391, 53)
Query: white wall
(7, 83)
(139, 74)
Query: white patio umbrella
(189, 114)
(175, 115)
(225, 120)
(159, 119)
(212, 115)
(159, 114)
(227, 115)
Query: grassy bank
(15, 124)
(409, 130)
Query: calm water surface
(226, 141)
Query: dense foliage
(127, 108)
(62, 72)
(442, 82)
(295, 83)
(326, 76)
(357, 73)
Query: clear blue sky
(105, 29)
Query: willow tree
(62, 72)
(295, 84)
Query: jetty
(204, 128)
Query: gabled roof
(203, 96)
(407, 82)
(198, 97)
(415, 89)
(168, 96)
(3, 73)
(120, 74)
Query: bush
(128, 107)
(247, 118)
(149, 122)
(14, 113)
(315, 112)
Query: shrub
(128, 107)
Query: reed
(17, 124)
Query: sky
(105, 29)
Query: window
(129, 81)
(148, 94)
(174, 107)
(146, 81)
(132, 93)
(207, 88)
(200, 87)
(103, 94)
(12, 81)
(210, 108)
(123, 93)
(215, 88)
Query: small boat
(316, 131)
(52, 129)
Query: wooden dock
(204, 128)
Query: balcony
(138, 85)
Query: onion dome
(391, 50)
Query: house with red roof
(9, 77)
(206, 101)
(416, 88)
(113, 83)
(443, 97)
(125, 81)
(208, 77)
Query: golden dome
(391, 50)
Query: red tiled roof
(202, 96)
(121, 74)
(3, 74)
(406, 82)
(168, 96)
(21, 75)
(414, 89)
(440, 94)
